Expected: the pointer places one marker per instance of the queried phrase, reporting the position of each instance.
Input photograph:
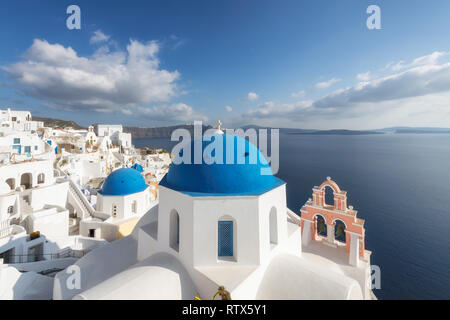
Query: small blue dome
(137, 167)
(226, 178)
(123, 182)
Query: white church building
(123, 199)
(215, 225)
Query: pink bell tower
(334, 224)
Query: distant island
(159, 132)
(165, 132)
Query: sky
(288, 63)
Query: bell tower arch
(334, 224)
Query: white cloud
(252, 96)
(173, 112)
(176, 42)
(99, 36)
(327, 84)
(271, 109)
(417, 95)
(104, 82)
(298, 94)
(364, 76)
(413, 82)
(229, 109)
(430, 59)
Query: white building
(215, 225)
(21, 143)
(34, 200)
(18, 121)
(116, 134)
(122, 201)
(155, 166)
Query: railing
(5, 224)
(58, 168)
(292, 216)
(26, 258)
(79, 197)
(8, 229)
(76, 192)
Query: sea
(400, 185)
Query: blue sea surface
(399, 183)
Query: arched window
(11, 183)
(174, 232)
(273, 226)
(114, 210)
(329, 196)
(226, 240)
(25, 180)
(11, 210)
(321, 226)
(339, 231)
(41, 178)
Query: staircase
(25, 206)
(74, 226)
(79, 201)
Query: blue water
(400, 184)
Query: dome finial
(217, 129)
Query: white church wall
(172, 200)
(125, 204)
(147, 245)
(272, 200)
(207, 213)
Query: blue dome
(123, 182)
(226, 178)
(137, 167)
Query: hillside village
(49, 189)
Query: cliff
(159, 132)
(58, 123)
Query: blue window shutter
(225, 239)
